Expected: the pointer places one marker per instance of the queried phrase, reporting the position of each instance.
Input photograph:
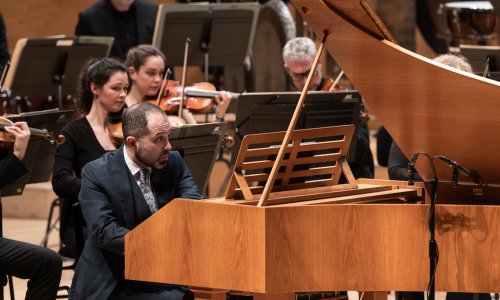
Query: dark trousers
(137, 290)
(40, 265)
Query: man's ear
(131, 141)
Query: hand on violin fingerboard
(21, 133)
(222, 104)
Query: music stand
(50, 66)
(271, 112)
(478, 55)
(199, 144)
(223, 31)
(39, 157)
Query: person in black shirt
(4, 50)
(40, 265)
(103, 87)
(130, 22)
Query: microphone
(411, 169)
(457, 168)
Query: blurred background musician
(146, 66)
(398, 169)
(103, 86)
(298, 57)
(4, 49)
(130, 22)
(40, 265)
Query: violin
(199, 97)
(7, 140)
(115, 131)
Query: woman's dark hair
(97, 71)
(137, 56)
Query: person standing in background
(4, 49)
(130, 22)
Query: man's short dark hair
(135, 119)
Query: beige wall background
(35, 18)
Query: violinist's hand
(222, 104)
(21, 133)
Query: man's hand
(21, 133)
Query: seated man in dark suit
(130, 22)
(40, 265)
(119, 191)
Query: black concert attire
(397, 164)
(4, 50)
(80, 147)
(130, 28)
(362, 166)
(113, 203)
(40, 265)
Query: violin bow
(336, 80)
(184, 71)
(4, 75)
(163, 86)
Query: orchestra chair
(56, 203)
(80, 242)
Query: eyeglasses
(300, 76)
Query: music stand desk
(39, 158)
(50, 66)
(224, 31)
(199, 145)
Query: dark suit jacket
(10, 167)
(112, 205)
(4, 50)
(99, 20)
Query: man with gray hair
(298, 58)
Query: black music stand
(270, 112)
(223, 31)
(478, 56)
(50, 66)
(199, 144)
(39, 158)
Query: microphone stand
(433, 247)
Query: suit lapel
(122, 174)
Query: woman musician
(102, 88)
(146, 66)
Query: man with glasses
(298, 58)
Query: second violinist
(102, 88)
(146, 66)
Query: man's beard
(155, 165)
